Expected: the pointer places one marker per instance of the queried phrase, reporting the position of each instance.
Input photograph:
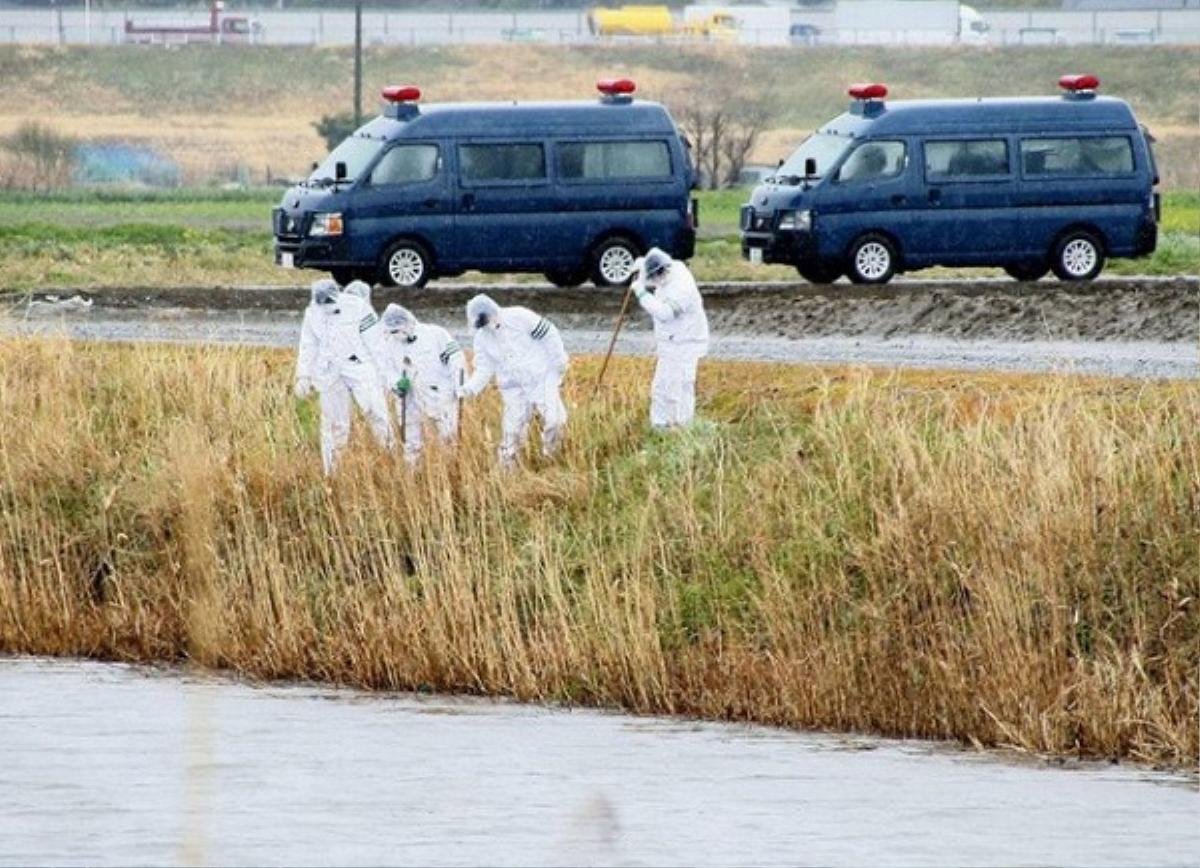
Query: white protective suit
(524, 353)
(681, 339)
(359, 288)
(430, 364)
(339, 353)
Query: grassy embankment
(207, 237)
(216, 111)
(1001, 560)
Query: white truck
(908, 22)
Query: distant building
(1110, 5)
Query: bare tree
(722, 125)
(38, 158)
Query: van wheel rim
(406, 267)
(1079, 257)
(616, 263)
(872, 260)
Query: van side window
(406, 164)
(1092, 155)
(965, 159)
(502, 162)
(872, 161)
(587, 161)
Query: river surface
(105, 764)
(590, 334)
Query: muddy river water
(107, 764)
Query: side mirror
(810, 167)
(779, 165)
(339, 171)
(314, 165)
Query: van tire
(872, 259)
(1078, 255)
(607, 255)
(567, 278)
(820, 273)
(1027, 272)
(406, 264)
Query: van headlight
(795, 221)
(326, 224)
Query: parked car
(1032, 185)
(570, 189)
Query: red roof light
(868, 91)
(616, 86)
(1076, 83)
(401, 93)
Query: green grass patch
(114, 237)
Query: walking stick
(613, 342)
(404, 419)
(462, 379)
(404, 402)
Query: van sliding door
(966, 212)
(503, 202)
(622, 186)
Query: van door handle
(935, 195)
(899, 198)
(468, 201)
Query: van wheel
(872, 260)
(819, 272)
(1077, 256)
(406, 264)
(612, 261)
(567, 278)
(1027, 271)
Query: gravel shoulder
(590, 334)
(1116, 309)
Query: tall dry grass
(994, 559)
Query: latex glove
(402, 386)
(304, 388)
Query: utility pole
(358, 64)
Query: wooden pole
(613, 341)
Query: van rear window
(966, 159)
(502, 162)
(1086, 155)
(598, 161)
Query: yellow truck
(657, 21)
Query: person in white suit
(423, 367)
(667, 291)
(338, 357)
(524, 353)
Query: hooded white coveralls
(525, 354)
(433, 362)
(339, 349)
(681, 340)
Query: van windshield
(825, 148)
(356, 152)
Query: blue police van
(574, 190)
(1030, 185)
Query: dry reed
(995, 559)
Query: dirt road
(1140, 327)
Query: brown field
(994, 559)
(217, 111)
